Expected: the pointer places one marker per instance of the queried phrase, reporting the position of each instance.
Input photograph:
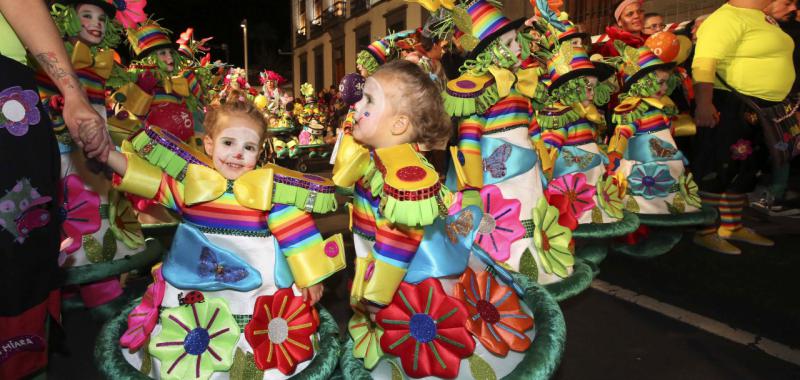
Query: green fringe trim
(119, 77)
(574, 91)
(90, 273)
(69, 25)
(539, 100)
(580, 279)
(645, 87)
(632, 116)
(167, 160)
(461, 107)
(602, 93)
(300, 198)
(112, 365)
(556, 122)
(658, 242)
(706, 216)
(541, 360)
(367, 61)
(629, 223)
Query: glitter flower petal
(18, 110)
(366, 336)
(196, 340)
(650, 180)
(142, 319)
(123, 221)
(689, 190)
(496, 318)
(79, 211)
(609, 196)
(500, 225)
(574, 186)
(552, 240)
(425, 328)
(280, 331)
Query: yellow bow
(101, 63)
(434, 5)
(252, 190)
(527, 81)
(136, 100)
(177, 85)
(589, 112)
(504, 80)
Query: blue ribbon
(437, 255)
(194, 262)
(503, 160)
(572, 159)
(283, 274)
(641, 149)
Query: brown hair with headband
(235, 103)
(420, 100)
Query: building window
(363, 37)
(338, 60)
(303, 67)
(301, 17)
(317, 12)
(396, 20)
(319, 68)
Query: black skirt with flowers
(727, 158)
(29, 226)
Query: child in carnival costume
(106, 239)
(270, 81)
(165, 94)
(642, 152)
(237, 288)
(495, 154)
(313, 120)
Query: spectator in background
(629, 19)
(653, 23)
(742, 59)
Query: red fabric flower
(280, 331)
(560, 201)
(741, 150)
(497, 319)
(79, 211)
(425, 328)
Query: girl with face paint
(222, 204)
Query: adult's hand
(87, 128)
(706, 115)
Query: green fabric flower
(552, 240)
(609, 196)
(689, 190)
(366, 336)
(123, 221)
(196, 340)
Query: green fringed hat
(569, 62)
(108, 6)
(480, 22)
(148, 37)
(636, 63)
(381, 51)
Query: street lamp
(246, 66)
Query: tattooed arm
(31, 21)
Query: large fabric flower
(425, 328)
(689, 190)
(79, 211)
(500, 225)
(496, 318)
(142, 319)
(609, 196)
(196, 340)
(130, 12)
(18, 110)
(366, 339)
(123, 221)
(565, 216)
(741, 150)
(574, 187)
(650, 180)
(552, 240)
(280, 331)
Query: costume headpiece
(269, 75)
(147, 37)
(636, 63)
(189, 47)
(569, 62)
(380, 51)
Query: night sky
(269, 28)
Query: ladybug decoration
(192, 298)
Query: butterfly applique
(495, 164)
(210, 265)
(661, 150)
(582, 160)
(460, 227)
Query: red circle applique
(411, 173)
(331, 249)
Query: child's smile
(234, 149)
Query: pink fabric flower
(130, 12)
(500, 225)
(741, 150)
(574, 187)
(79, 211)
(143, 317)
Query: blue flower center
(423, 328)
(648, 181)
(61, 214)
(120, 4)
(196, 341)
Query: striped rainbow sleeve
(293, 228)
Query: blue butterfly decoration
(209, 265)
(495, 164)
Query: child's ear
(401, 125)
(208, 145)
